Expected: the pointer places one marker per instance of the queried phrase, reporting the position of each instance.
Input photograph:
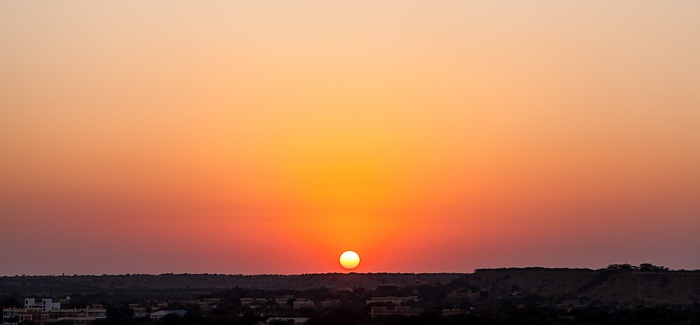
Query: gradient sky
(270, 136)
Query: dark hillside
(619, 285)
(202, 283)
(616, 284)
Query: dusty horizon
(333, 273)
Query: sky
(249, 137)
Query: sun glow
(349, 260)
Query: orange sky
(269, 137)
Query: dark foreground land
(619, 294)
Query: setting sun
(349, 260)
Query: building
(302, 303)
(290, 320)
(246, 302)
(46, 304)
(207, 304)
(139, 311)
(391, 299)
(162, 313)
(328, 303)
(49, 311)
(159, 305)
(83, 316)
(10, 316)
(454, 311)
(283, 300)
(397, 310)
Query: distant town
(618, 294)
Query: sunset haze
(271, 136)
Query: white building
(46, 310)
(46, 304)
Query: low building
(49, 311)
(397, 310)
(454, 311)
(10, 316)
(159, 305)
(283, 300)
(46, 304)
(139, 311)
(328, 303)
(302, 303)
(162, 313)
(391, 299)
(207, 304)
(289, 320)
(246, 302)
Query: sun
(349, 260)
